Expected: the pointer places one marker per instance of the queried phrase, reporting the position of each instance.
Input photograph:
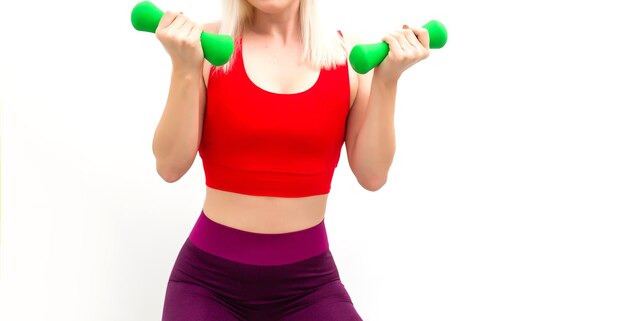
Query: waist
(258, 248)
(264, 214)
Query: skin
(271, 41)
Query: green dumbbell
(217, 49)
(365, 57)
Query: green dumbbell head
(365, 57)
(437, 33)
(217, 49)
(146, 16)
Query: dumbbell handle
(217, 49)
(365, 57)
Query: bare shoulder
(210, 27)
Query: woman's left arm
(370, 132)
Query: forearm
(375, 143)
(178, 133)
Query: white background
(506, 199)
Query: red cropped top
(263, 143)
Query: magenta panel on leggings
(226, 274)
(258, 248)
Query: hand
(181, 38)
(406, 48)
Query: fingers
(394, 45)
(406, 47)
(419, 39)
(410, 36)
(179, 20)
(408, 39)
(176, 22)
(185, 28)
(195, 32)
(404, 44)
(167, 19)
(178, 26)
(181, 38)
(422, 36)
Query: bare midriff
(264, 214)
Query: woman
(269, 127)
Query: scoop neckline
(245, 72)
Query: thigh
(330, 302)
(190, 302)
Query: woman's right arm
(178, 133)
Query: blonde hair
(323, 46)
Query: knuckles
(189, 42)
(408, 33)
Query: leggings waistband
(258, 248)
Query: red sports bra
(262, 143)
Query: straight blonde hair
(323, 46)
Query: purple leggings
(226, 274)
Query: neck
(282, 26)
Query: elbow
(373, 185)
(172, 170)
(169, 173)
(169, 176)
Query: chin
(272, 6)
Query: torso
(274, 69)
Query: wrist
(384, 81)
(186, 70)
